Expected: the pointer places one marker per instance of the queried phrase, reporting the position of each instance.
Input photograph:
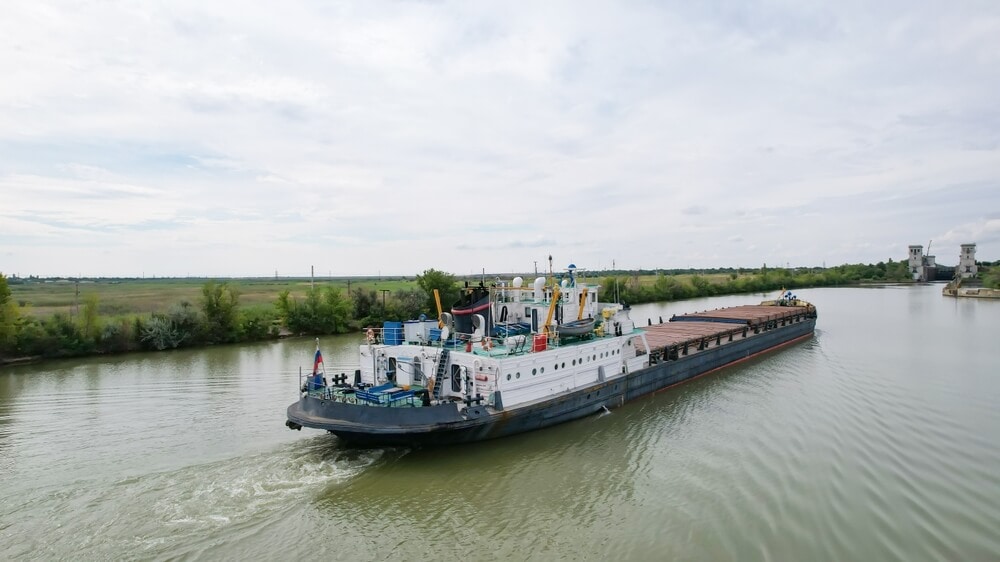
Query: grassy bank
(62, 318)
(116, 297)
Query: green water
(879, 439)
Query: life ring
(370, 335)
(487, 343)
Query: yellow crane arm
(552, 309)
(583, 300)
(437, 301)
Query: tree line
(667, 287)
(218, 318)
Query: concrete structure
(922, 268)
(967, 261)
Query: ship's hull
(444, 424)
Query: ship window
(508, 376)
(543, 370)
(556, 366)
(534, 372)
(518, 375)
(564, 365)
(574, 362)
(456, 378)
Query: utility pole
(312, 277)
(384, 291)
(536, 268)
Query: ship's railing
(514, 344)
(386, 395)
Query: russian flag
(317, 361)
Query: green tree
(338, 309)
(258, 323)
(365, 303)
(323, 311)
(220, 304)
(408, 304)
(117, 336)
(445, 283)
(9, 314)
(160, 333)
(89, 322)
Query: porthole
(508, 376)
(564, 365)
(534, 372)
(543, 370)
(518, 375)
(556, 366)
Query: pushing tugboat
(510, 358)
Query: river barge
(511, 369)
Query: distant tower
(916, 262)
(967, 261)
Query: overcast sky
(231, 138)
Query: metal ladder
(442, 369)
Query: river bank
(221, 317)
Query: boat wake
(166, 511)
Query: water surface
(879, 439)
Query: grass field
(143, 296)
(120, 297)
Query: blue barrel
(435, 334)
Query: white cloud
(194, 138)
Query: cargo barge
(532, 357)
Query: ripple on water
(162, 512)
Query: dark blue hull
(444, 424)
